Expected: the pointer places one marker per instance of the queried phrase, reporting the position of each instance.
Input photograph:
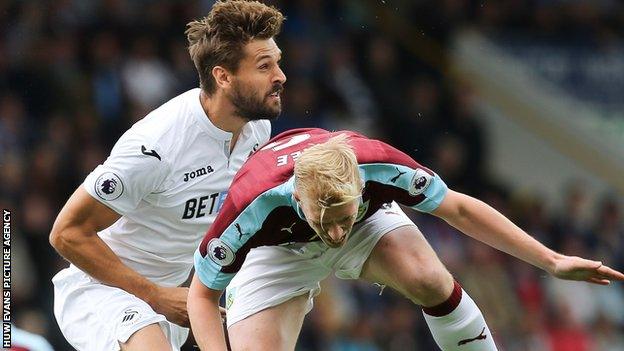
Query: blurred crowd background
(75, 74)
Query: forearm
(74, 236)
(482, 222)
(205, 318)
(206, 324)
(91, 254)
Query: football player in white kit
(130, 230)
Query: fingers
(604, 275)
(599, 281)
(606, 272)
(610, 273)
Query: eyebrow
(262, 57)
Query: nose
(279, 77)
(336, 232)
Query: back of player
(264, 185)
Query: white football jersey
(168, 176)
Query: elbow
(465, 205)
(61, 238)
(199, 292)
(56, 238)
(460, 209)
(463, 210)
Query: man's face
(256, 87)
(337, 221)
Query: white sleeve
(134, 169)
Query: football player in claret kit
(312, 202)
(130, 230)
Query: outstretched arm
(74, 236)
(480, 221)
(205, 316)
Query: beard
(252, 106)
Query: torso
(188, 166)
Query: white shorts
(97, 317)
(272, 275)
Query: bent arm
(480, 221)
(203, 309)
(74, 236)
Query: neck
(221, 113)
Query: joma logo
(198, 173)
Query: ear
(222, 76)
(296, 195)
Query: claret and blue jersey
(260, 208)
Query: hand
(577, 268)
(171, 302)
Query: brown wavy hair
(219, 38)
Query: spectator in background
(383, 74)
(22, 340)
(13, 125)
(572, 219)
(420, 115)
(106, 81)
(146, 78)
(606, 335)
(351, 88)
(303, 107)
(608, 230)
(565, 332)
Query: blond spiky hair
(328, 173)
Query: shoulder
(376, 151)
(257, 178)
(248, 204)
(180, 111)
(169, 127)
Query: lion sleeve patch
(108, 186)
(420, 182)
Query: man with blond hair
(312, 202)
(130, 229)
